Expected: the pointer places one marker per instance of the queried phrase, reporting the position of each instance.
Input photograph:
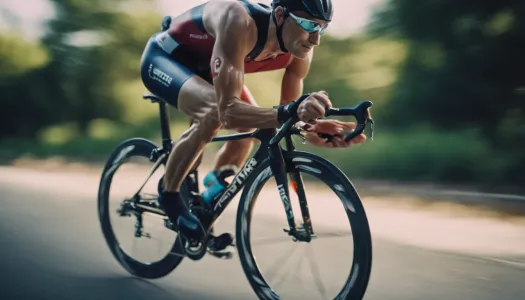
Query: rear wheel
(127, 152)
(354, 283)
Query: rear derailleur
(128, 209)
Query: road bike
(271, 159)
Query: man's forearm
(292, 88)
(239, 114)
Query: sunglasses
(309, 26)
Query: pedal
(221, 254)
(221, 242)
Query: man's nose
(315, 38)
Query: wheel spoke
(286, 238)
(315, 271)
(279, 263)
(290, 271)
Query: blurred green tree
(89, 48)
(465, 65)
(464, 69)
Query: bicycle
(269, 160)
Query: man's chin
(301, 54)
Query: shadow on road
(55, 285)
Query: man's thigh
(174, 81)
(197, 99)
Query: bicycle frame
(268, 149)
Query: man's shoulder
(230, 18)
(228, 13)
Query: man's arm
(235, 35)
(292, 83)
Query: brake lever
(360, 112)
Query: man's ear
(279, 15)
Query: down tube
(239, 181)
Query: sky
(349, 15)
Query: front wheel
(321, 170)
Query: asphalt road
(51, 247)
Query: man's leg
(197, 100)
(199, 159)
(236, 152)
(195, 97)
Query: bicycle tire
(128, 148)
(356, 284)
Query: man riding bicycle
(197, 64)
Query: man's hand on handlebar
(334, 128)
(313, 107)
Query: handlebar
(360, 112)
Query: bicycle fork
(277, 166)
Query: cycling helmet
(319, 9)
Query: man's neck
(271, 48)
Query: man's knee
(209, 125)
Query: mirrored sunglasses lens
(310, 26)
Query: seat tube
(165, 125)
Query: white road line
(517, 264)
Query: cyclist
(197, 63)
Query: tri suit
(183, 48)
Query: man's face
(297, 40)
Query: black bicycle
(270, 160)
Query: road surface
(52, 248)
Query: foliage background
(447, 79)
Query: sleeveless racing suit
(183, 48)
